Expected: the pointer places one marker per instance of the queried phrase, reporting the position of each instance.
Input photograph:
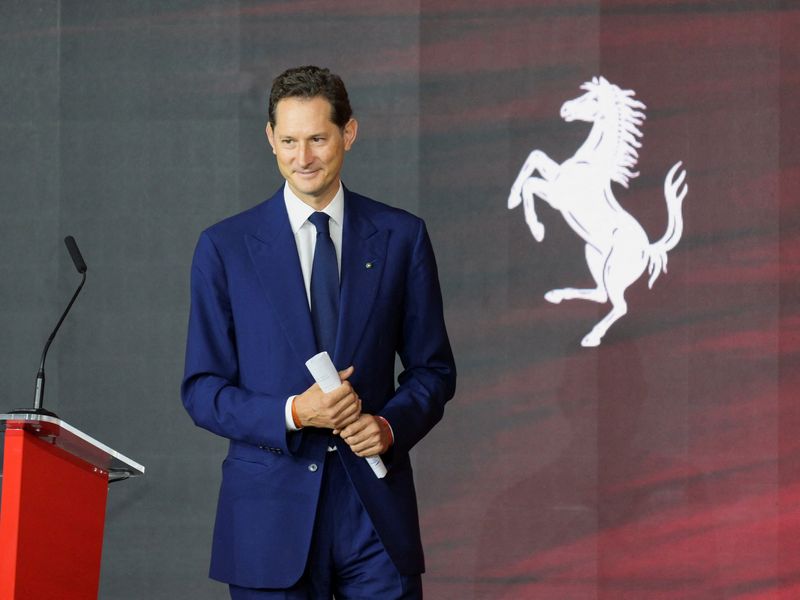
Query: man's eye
(317, 139)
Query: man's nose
(304, 154)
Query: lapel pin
(368, 265)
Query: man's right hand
(334, 410)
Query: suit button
(312, 467)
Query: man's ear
(349, 133)
(271, 137)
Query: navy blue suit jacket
(250, 334)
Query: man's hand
(334, 410)
(367, 436)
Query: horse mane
(630, 116)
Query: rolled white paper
(325, 374)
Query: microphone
(38, 397)
(77, 258)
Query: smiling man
(310, 146)
(316, 267)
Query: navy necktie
(324, 286)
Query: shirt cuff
(287, 415)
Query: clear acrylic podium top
(63, 435)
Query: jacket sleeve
(210, 390)
(428, 379)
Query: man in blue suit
(316, 267)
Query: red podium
(55, 485)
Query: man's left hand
(368, 436)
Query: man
(316, 267)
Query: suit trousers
(347, 559)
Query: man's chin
(307, 191)
(307, 185)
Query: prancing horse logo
(617, 248)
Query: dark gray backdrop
(132, 126)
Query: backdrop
(662, 463)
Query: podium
(52, 514)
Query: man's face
(310, 148)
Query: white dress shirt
(305, 236)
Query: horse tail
(674, 193)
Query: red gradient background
(662, 464)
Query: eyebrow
(287, 136)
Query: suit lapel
(363, 261)
(273, 251)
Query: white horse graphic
(617, 248)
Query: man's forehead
(296, 111)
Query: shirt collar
(299, 211)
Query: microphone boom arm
(39, 392)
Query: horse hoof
(514, 199)
(554, 296)
(590, 341)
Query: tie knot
(320, 221)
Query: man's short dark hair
(310, 82)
